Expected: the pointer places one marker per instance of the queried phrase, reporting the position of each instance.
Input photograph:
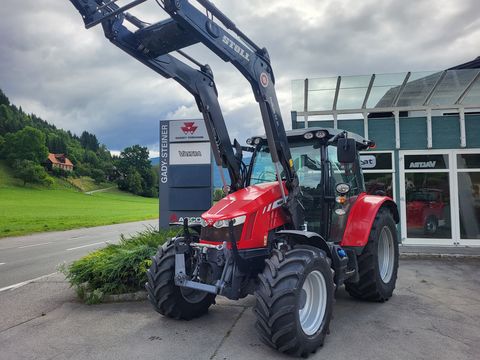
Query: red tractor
(296, 223)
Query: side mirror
(346, 150)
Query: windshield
(306, 160)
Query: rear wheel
(378, 264)
(294, 300)
(167, 298)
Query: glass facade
(426, 127)
(428, 205)
(379, 91)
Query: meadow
(29, 209)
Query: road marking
(28, 246)
(2, 264)
(84, 246)
(23, 283)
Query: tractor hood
(243, 202)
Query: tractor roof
(299, 134)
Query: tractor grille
(211, 233)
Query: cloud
(76, 79)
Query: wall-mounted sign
(414, 162)
(368, 161)
(376, 161)
(185, 171)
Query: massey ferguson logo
(189, 128)
(239, 50)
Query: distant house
(59, 161)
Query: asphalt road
(29, 257)
(433, 314)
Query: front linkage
(213, 268)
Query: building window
(468, 177)
(378, 173)
(427, 190)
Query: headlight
(308, 136)
(225, 223)
(342, 188)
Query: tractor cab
(329, 174)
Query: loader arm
(187, 26)
(200, 83)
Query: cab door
(350, 174)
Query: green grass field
(30, 209)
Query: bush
(30, 172)
(218, 194)
(60, 172)
(98, 176)
(117, 268)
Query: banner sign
(185, 171)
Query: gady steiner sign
(185, 171)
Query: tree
(2, 141)
(30, 172)
(98, 175)
(136, 157)
(4, 99)
(26, 144)
(56, 144)
(131, 182)
(132, 160)
(89, 141)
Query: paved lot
(435, 314)
(28, 257)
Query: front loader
(296, 223)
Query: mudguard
(306, 238)
(361, 218)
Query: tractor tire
(294, 300)
(167, 298)
(378, 264)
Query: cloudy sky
(75, 79)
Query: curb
(136, 296)
(424, 256)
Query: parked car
(425, 209)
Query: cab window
(350, 174)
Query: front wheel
(378, 263)
(294, 300)
(167, 298)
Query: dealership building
(426, 126)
